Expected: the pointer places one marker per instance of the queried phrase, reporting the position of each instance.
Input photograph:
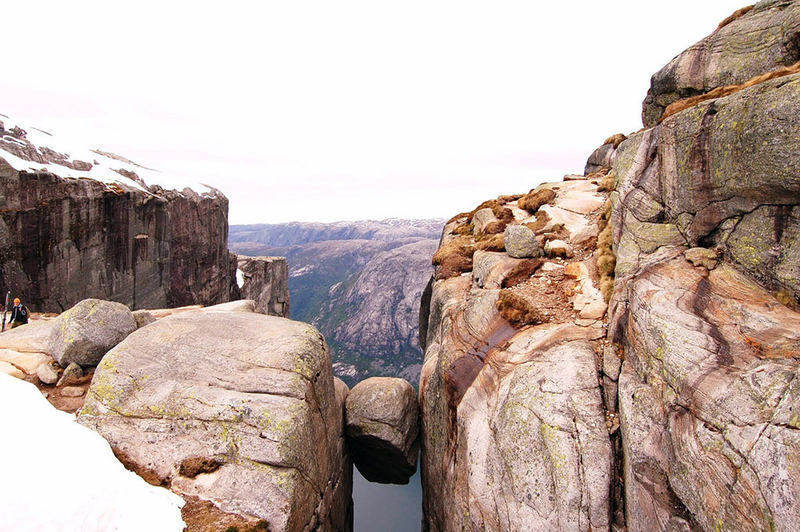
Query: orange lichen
(493, 228)
(518, 310)
(727, 90)
(736, 14)
(616, 140)
(535, 199)
(521, 272)
(454, 257)
(492, 243)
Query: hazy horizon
(323, 112)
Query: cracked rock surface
(514, 427)
(235, 408)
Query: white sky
(323, 111)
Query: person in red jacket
(19, 314)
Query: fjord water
(386, 507)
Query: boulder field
(672, 408)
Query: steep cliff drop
(87, 223)
(675, 409)
(515, 432)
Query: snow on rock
(59, 475)
(30, 149)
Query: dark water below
(386, 507)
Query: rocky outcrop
(24, 349)
(382, 418)
(688, 183)
(706, 229)
(84, 333)
(234, 408)
(759, 41)
(74, 229)
(515, 433)
(265, 281)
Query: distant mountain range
(359, 283)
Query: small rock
(520, 242)
(551, 267)
(47, 374)
(574, 177)
(481, 219)
(576, 270)
(702, 257)
(71, 391)
(594, 310)
(72, 374)
(611, 363)
(87, 331)
(556, 248)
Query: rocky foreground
(235, 411)
(673, 408)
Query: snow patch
(301, 271)
(59, 475)
(104, 168)
(239, 277)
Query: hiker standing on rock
(19, 314)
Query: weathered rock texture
(236, 408)
(26, 348)
(266, 281)
(382, 417)
(514, 430)
(87, 331)
(760, 41)
(706, 228)
(63, 240)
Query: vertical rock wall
(63, 240)
(266, 281)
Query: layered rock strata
(758, 41)
(706, 229)
(66, 235)
(265, 281)
(234, 408)
(515, 433)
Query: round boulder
(521, 242)
(382, 425)
(87, 331)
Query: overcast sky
(323, 111)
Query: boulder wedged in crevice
(382, 420)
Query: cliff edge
(87, 223)
(673, 408)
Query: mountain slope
(358, 282)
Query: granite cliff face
(72, 229)
(749, 43)
(675, 409)
(359, 283)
